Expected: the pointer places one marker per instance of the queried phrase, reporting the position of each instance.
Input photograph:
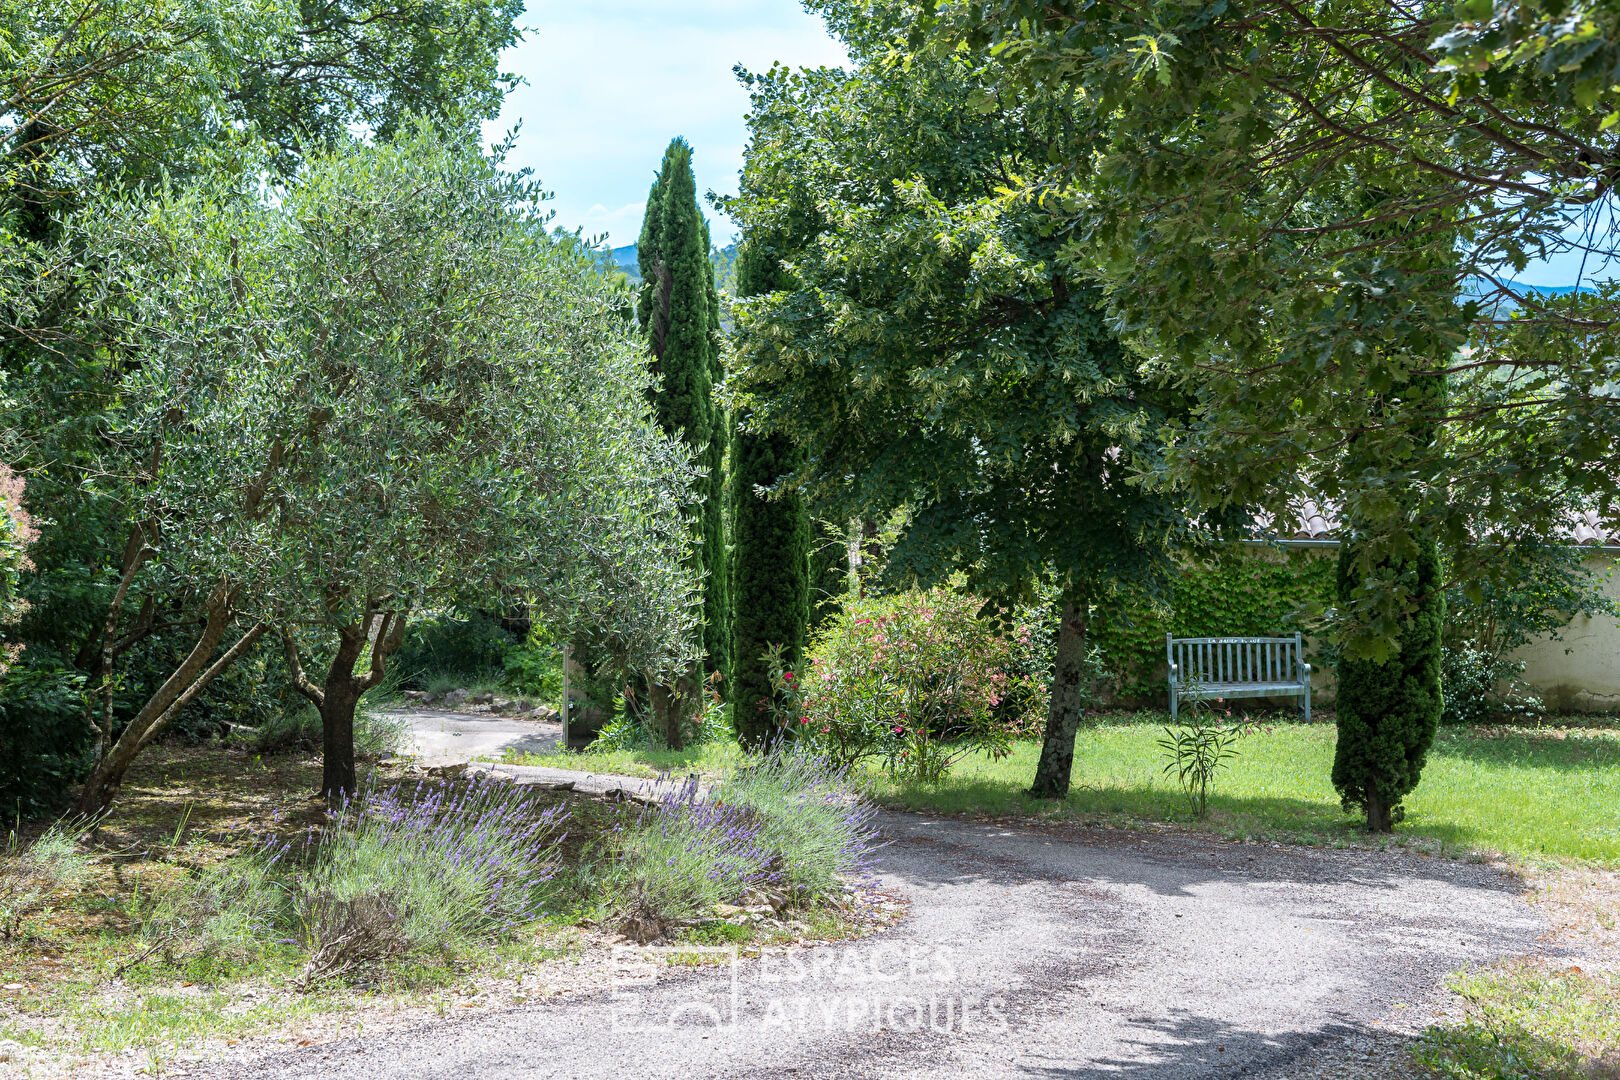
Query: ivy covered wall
(1243, 591)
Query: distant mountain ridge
(627, 261)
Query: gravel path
(441, 737)
(1033, 953)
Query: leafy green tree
(332, 394)
(1302, 210)
(931, 353)
(678, 309)
(116, 94)
(829, 571)
(1310, 214)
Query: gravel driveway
(1030, 952)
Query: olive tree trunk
(178, 690)
(338, 695)
(1068, 698)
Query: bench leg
(1307, 703)
(1172, 704)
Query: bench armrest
(1175, 673)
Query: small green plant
(31, 875)
(1199, 747)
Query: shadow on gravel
(1169, 864)
(1189, 1046)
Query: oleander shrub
(918, 679)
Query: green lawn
(1523, 791)
(1549, 792)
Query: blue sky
(609, 84)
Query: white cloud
(608, 87)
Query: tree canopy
(388, 390)
(931, 352)
(1296, 211)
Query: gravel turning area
(441, 737)
(1030, 952)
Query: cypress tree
(717, 628)
(678, 311)
(1388, 710)
(829, 571)
(771, 537)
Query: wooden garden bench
(1237, 667)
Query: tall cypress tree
(717, 630)
(1389, 709)
(679, 312)
(770, 554)
(829, 570)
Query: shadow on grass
(1560, 749)
(1249, 817)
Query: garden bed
(89, 984)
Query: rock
(501, 705)
(456, 697)
(416, 695)
(547, 714)
(727, 911)
(481, 699)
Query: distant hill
(625, 260)
(1506, 306)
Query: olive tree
(380, 390)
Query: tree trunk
(338, 696)
(338, 778)
(1379, 818)
(165, 704)
(669, 709)
(1063, 710)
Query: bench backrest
(1235, 659)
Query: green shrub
(534, 668)
(45, 743)
(460, 650)
(1471, 681)
(917, 678)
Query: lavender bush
(684, 855)
(458, 864)
(791, 822)
(813, 818)
(406, 871)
